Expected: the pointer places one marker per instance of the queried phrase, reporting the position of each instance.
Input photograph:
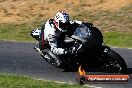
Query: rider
(55, 30)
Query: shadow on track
(91, 70)
(129, 70)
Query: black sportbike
(89, 51)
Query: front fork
(105, 49)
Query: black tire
(81, 80)
(114, 62)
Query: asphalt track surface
(20, 58)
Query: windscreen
(82, 31)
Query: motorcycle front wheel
(113, 62)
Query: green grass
(12, 81)
(118, 39)
(18, 32)
(21, 32)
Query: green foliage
(18, 32)
(118, 39)
(11, 81)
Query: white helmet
(61, 20)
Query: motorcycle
(89, 51)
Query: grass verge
(119, 39)
(12, 81)
(18, 32)
(21, 32)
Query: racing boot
(54, 59)
(49, 56)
